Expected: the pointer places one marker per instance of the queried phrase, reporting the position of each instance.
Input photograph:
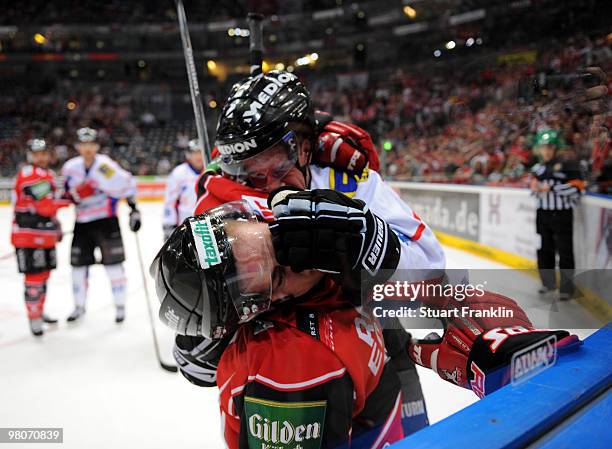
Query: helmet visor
(271, 164)
(231, 244)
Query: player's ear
(304, 151)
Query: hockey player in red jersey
(36, 230)
(304, 367)
(298, 357)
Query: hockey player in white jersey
(180, 194)
(268, 137)
(96, 183)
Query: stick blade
(168, 367)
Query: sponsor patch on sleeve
(40, 189)
(284, 425)
(205, 242)
(106, 170)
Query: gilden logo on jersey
(284, 425)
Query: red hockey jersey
(34, 224)
(310, 375)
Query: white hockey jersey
(110, 181)
(180, 196)
(421, 251)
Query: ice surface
(100, 381)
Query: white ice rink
(100, 381)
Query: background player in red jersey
(36, 230)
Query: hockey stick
(194, 88)
(166, 366)
(255, 22)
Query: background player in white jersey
(96, 183)
(180, 196)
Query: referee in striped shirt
(557, 186)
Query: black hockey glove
(198, 358)
(326, 230)
(135, 221)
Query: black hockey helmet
(87, 135)
(194, 146)
(257, 115)
(35, 145)
(197, 280)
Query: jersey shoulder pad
(72, 164)
(177, 171)
(26, 171)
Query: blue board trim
(515, 416)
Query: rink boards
(566, 406)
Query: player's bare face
(547, 152)
(257, 268)
(88, 150)
(195, 159)
(40, 158)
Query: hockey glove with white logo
(198, 358)
(325, 230)
(476, 353)
(135, 221)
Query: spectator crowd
(477, 127)
(436, 123)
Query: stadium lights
(212, 65)
(238, 32)
(469, 42)
(437, 53)
(40, 39)
(410, 11)
(308, 59)
(279, 66)
(450, 45)
(212, 104)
